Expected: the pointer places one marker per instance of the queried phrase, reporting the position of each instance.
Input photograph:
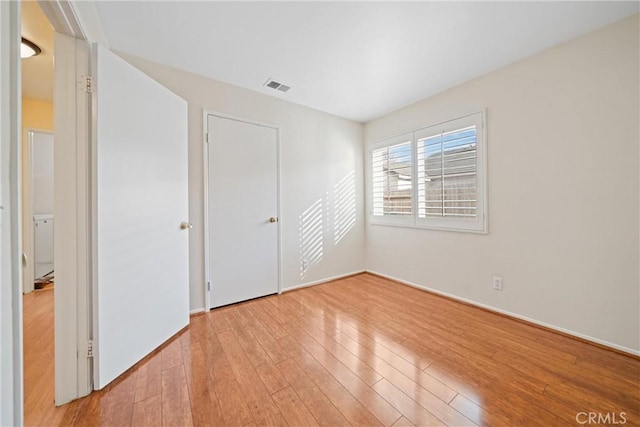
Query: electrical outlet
(497, 283)
(305, 264)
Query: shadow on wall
(337, 209)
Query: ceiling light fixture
(28, 49)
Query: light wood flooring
(357, 351)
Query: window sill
(413, 225)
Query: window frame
(479, 224)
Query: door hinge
(209, 286)
(207, 138)
(90, 348)
(86, 83)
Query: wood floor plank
(217, 320)
(451, 314)
(403, 422)
(253, 390)
(469, 364)
(457, 382)
(616, 363)
(453, 342)
(447, 414)
(577, 397)
(350, 360)
(507, 402)
(232, 404)
(325, 413)
(287, 310)
(347, 404)
(233, 407)
(63, 415)
(385, 348)
(267, 317)
(148, 412)
(391, 366)
(557, 372)
(171, 355)
(380, 408)
(116, 402)
(530, 349)
(205, 408)
(476, 413)
(410, 409)
(176, 407)
(271, 377)
(267, 340)
(149, 383)
(429, 401)
(242, 330)
(295, 412)
(88, 413)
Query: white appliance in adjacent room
(42, 199)
(43, 245)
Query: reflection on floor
(364, 351)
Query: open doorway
(71, 162)
(77, 218)
(38, 214)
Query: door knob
(273, 219)
(186, 225)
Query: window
(433, 177)
(392, 179)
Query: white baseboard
(196, 311)
(321, 281)
(511, 314)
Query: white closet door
(243, 210)
(142, 267)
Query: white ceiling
(357, 60)
(37, 71)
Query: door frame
(11, 391)
(205, 149)
(28, 242)
(72, 169)
(72, 115)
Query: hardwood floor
(39, 358)
(357, 351)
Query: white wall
(563, 138)
(318, 152)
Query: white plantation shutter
(447, 174)
(432, 178)
(392, 180)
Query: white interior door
(242, 211)
(141, 270)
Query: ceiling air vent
(277, 85)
